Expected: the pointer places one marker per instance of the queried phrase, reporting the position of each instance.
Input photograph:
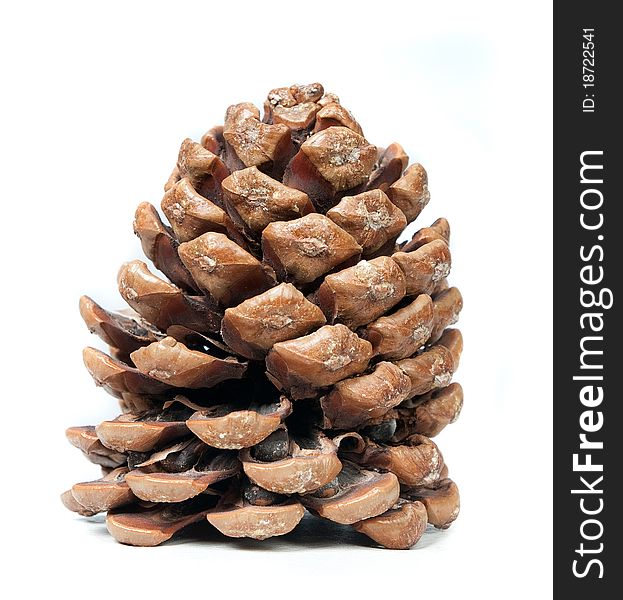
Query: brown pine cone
(290, 356)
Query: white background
(96, 99)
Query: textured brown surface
(399, 528)
(441, 500)
(111, 491)
(190, 214)
(254, 200)
(139, 526)
(304, 470)
(232, 427)
(415, 461)
(356, 400)
(370, 218)
(401, 333)
(410, 193)
(360, 294)
(425, 267)
(304, 249)
(317, 360)
(282, 313)
(172, 362)
(284, 349)
(360, 494)
(257, 522)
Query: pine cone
(293, 357)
